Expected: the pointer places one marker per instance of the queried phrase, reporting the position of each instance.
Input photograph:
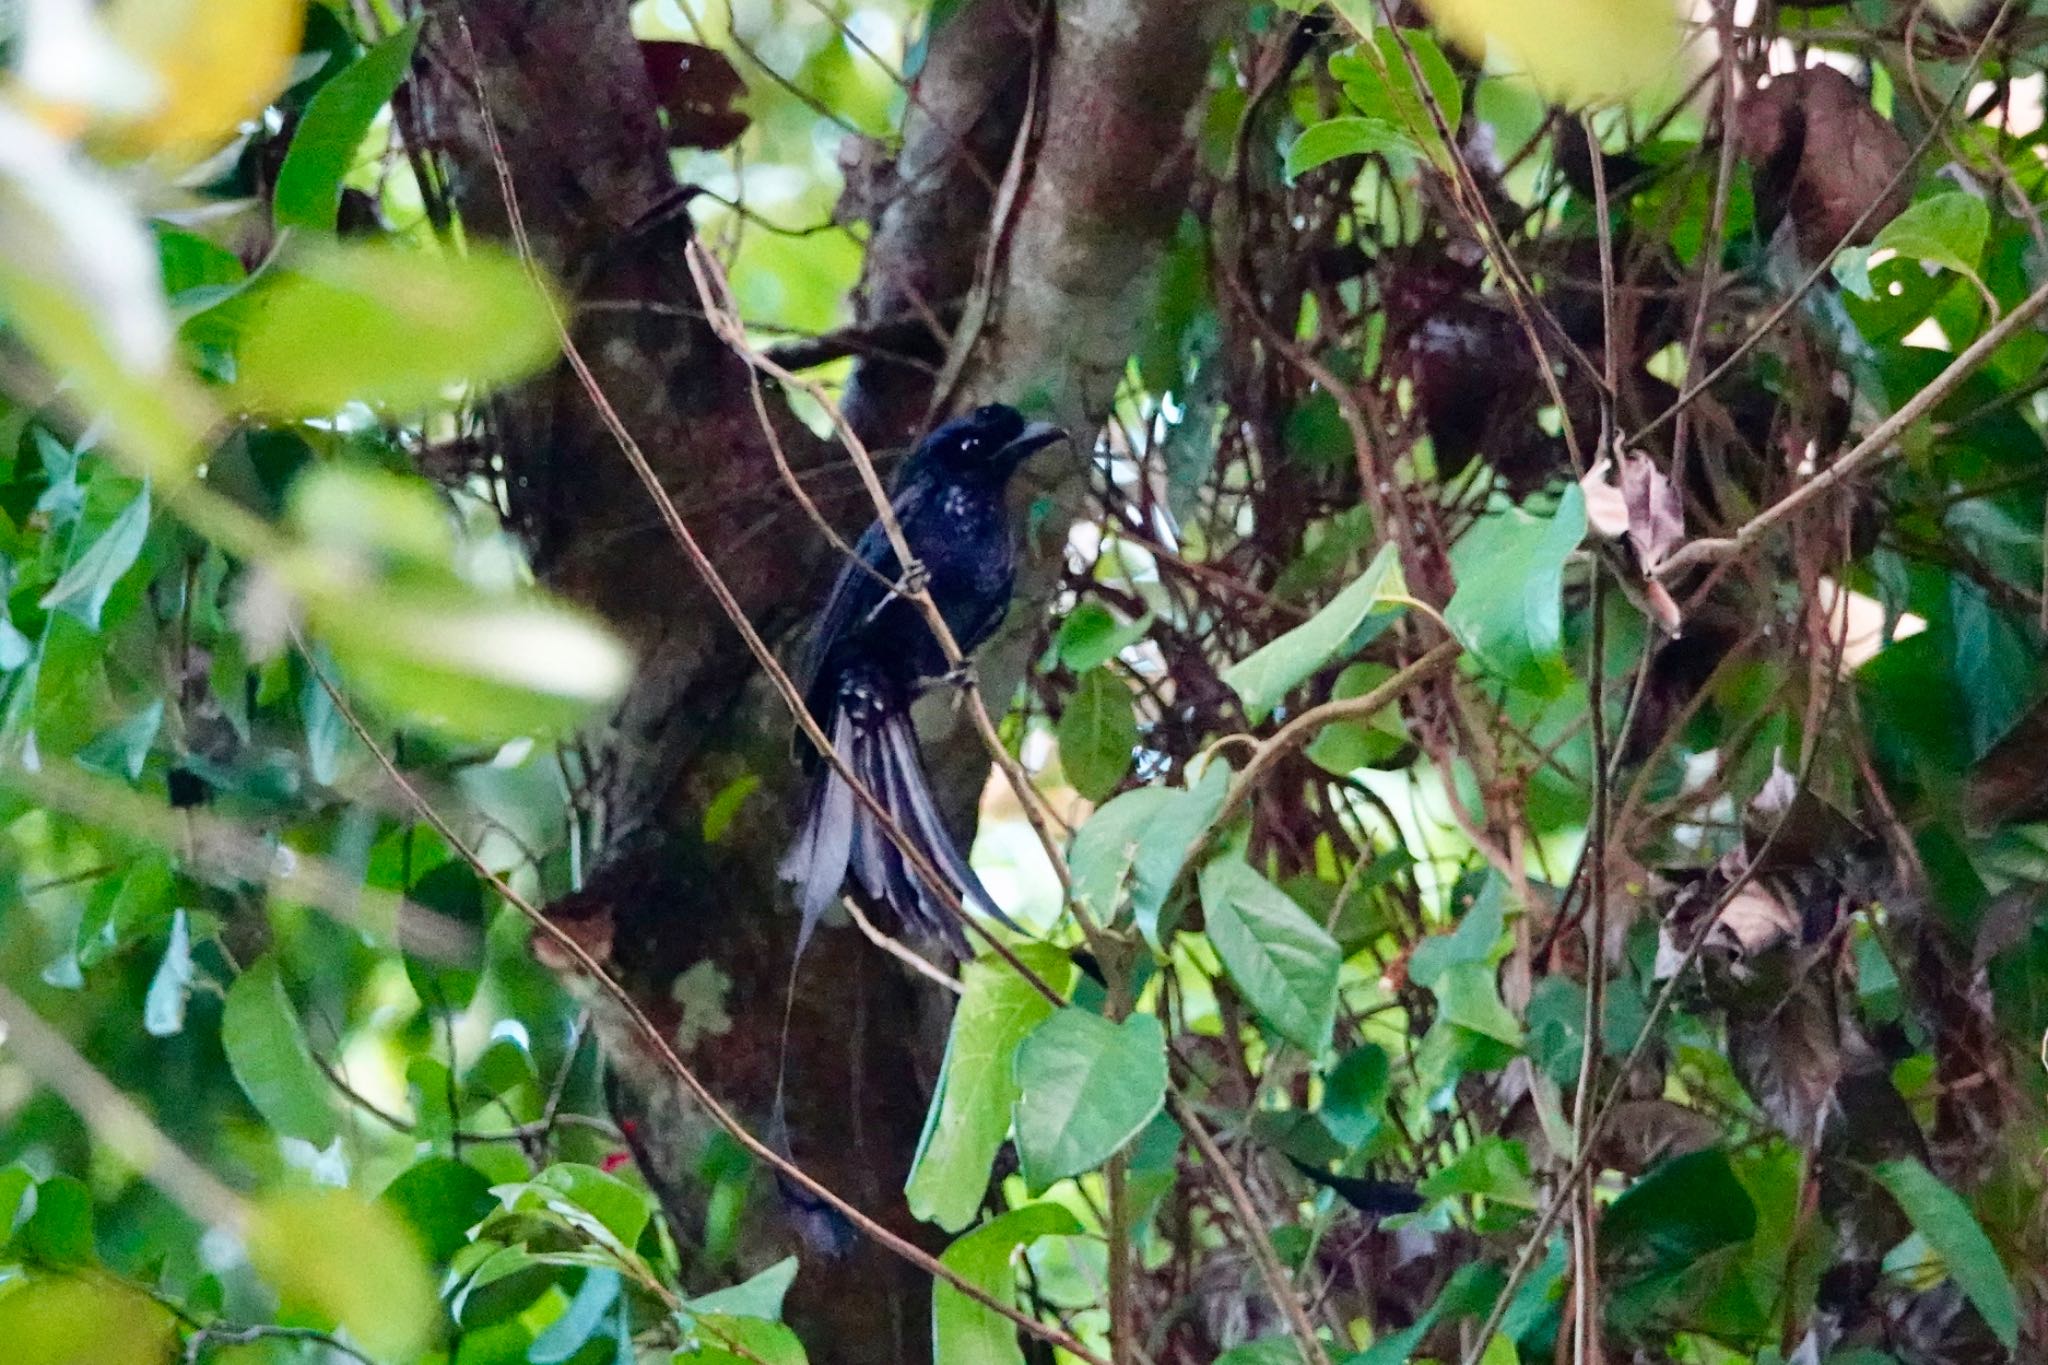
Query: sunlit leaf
(267, 1051)
(1576, 51)
(472, 665)
(1086, 1086)
(758, 1297)
(1947, 230)
(163, 1010)
(963, 1330)
(338, 118)
(351, 1262)
(970, 1114)
(1379, 78)
(390, 327)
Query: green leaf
(1086, 1086)
(59, 1232)
(621, 1210)
(727, 1340)
(83, 590)
(1492, 1168)
(1350, 620)
(1097, 733)
(1136, 845)
(1284, 962)
(1091, 636)
(388, 327)
(1345, 746)
(964, 1332)
(122, 749)
(1508, 609)
(1679, 1211)
(473, 666)
(1355, 1094)
(163, 1009)
(758, 1297)
(1947, 230)
(970, 1114)
(267, 1051)
(1475, 939)
(349, 1261)
(1381, 85)
(1471, 1291)
(1468, 995)
(337, 119)
(1322, 143)
(441, 1199)
(1939, 1214)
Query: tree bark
(579, 134)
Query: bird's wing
(856, 593)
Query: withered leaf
(696, 85)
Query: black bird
(872, 652)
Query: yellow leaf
(350, 1261)
(52, 1320)
(1577, 52)
(219, 61)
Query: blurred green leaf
(351, 1262)
(46, 1320)
(1492, 1168)
(964, 1331)
(1284, 962)
(582, 1320)
(728, 1340)
(1381, 84)
(759, 1297)
(389, 327)
(267, 1051)
(970, 1114)
(1355, 1094)
(163, 1009)
(337, 119)
(440, 1199)
(1679, 1211)
(1097, 733)
(58, 1233)
(83, 590)
(1086, 1086)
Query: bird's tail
(871, 732)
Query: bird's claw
(916, 578)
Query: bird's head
(989, 442)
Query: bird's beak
(1033, 439)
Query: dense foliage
(1515, 764)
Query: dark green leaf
(83, 590)
(59, 1232)
(1097, 733)
(1508, 609)
(337, 119)
(1355, 1093)
(1678, 1212)
(1135, 846)
(441, 1199)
